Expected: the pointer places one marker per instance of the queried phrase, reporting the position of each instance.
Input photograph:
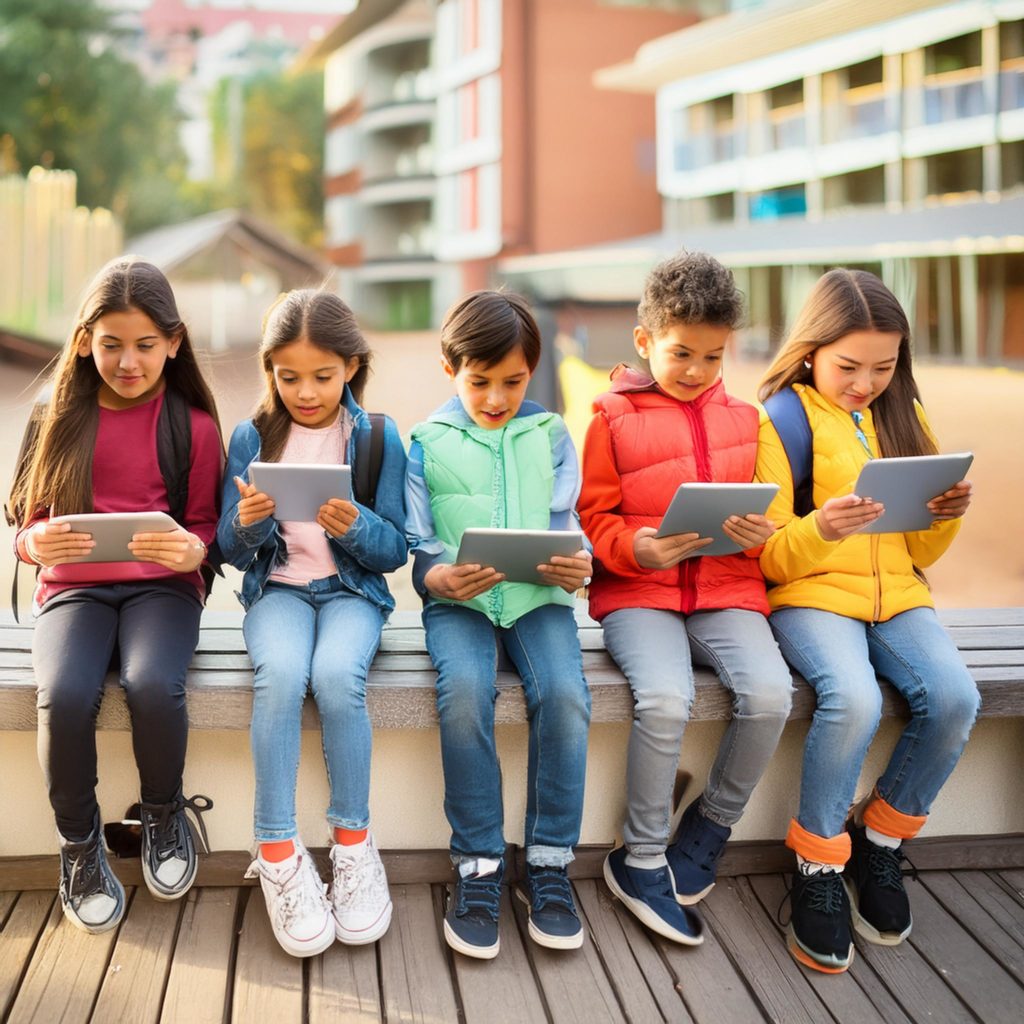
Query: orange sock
(347, 837)
(276, 852)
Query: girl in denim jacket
(315, 602)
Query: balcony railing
(708, 150)
(857, 120)
(787, 130)
(952, 101)
(1011, 89)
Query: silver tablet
(112, 531)
(517, 553)
(906, 485)
(703, 508)
(299, 489)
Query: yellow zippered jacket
(869, 577)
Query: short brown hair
(689, 288)
(485, 326)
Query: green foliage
(71, 102)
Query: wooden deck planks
(344, 986)
(503, 990)
(25, 914)
(200, 976)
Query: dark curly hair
(689, 288)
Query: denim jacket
(374, 544)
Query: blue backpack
(789, 418)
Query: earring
(807, 364)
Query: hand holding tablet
(519, 555)
(729, 517)
(294, 492)
(112, 538)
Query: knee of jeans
(961, 704)
(66, 704)
(342, 692)
(859, 708)
(768, 697)
(569, 698)
(151, 692)
(664, 706)
(464, 701)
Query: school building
(799, 135)
(462, 132)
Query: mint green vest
(492, 478)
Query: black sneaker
(553, 920)
(91, 895)
(471, 921)
(874, 882)
(169, 861)
(819, 928)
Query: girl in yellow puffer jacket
(847, 606)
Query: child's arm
(237, 542)
(376, 537)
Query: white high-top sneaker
(296, 902)
(359, 897)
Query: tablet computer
(517, 553)
(703, 508)
(112, 531)
(905, 485)
(299, 489)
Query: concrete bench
(401, 691)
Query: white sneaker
(359, 897)
(296, 902)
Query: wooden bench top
(401, 694)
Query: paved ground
(977, 408)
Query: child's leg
(347, 637)
(739, 646)
(157, 635)
(652, 649)
(72, 644)
(544, 646)
(462, 646)
(279, 632)
(916, 655)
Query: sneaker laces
(824, 891)
(479, 895)
(357, 880)
(84, 876)
(551, 886)
(885, 866)
(165, 821)
(704, 847)
(291, 895)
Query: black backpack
(369, 455)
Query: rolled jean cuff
(646, 849)
(883, 817)
(819, 849)
(549, 856)
(348, 824)
(275, 835)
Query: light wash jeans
(839, 657)
(320, 637)
(653, 648)
(545, 650)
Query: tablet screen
(517, 553)
(906, 485)
(702, 508)
(299, 489)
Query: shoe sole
(802, 956)
(546, 939)
(866, 929)
(645, 915)
(164, 893)
(467, 949)
(364, 936)
(688, 900)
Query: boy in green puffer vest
(488, 458)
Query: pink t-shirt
(126, 478)
(309, 552)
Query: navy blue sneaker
(471, 921)
(694, 854)
(649, 895)
(553, 919)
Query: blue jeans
(544, 647)
(654, 649)
(322, 638)
(840, 657)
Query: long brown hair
(56, 470)
(843, 301)
(324, 321)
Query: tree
(70, 101)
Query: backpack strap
(28, 444)
(369, 455)
(789, 418)
(174, 451)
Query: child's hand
(748, 531)
(953, 503)
(255, 506)
(461, 582)
(173, 549)
(839, 517)
(663, 552)
(569, 573)
(51, 544)
(337, 516)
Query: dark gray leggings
(154, 627)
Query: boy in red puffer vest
(662, 605)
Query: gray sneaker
(169, 860)
(91, 895)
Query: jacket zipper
(876, 576)
(691, 566)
